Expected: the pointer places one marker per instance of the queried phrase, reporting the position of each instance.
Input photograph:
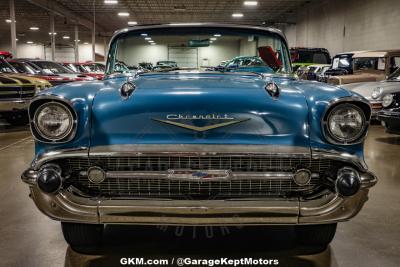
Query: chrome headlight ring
(345, 124)
(387, 100)
(54, 122)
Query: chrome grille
(131, 187)
(17, 92)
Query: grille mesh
(126, 187)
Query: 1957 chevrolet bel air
(193, 147)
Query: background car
(374, 91)
(370, 66)
(311, 72)
(390, 114)
(95, 70)
(303, 56)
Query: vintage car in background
(92, 69)
(303, 56)
(342, 64)
(53, 72)
(374, 91)
(390, 114)
(312, 71)
(199, 148)
(5, 54)
(167, 63)
(16, 91)
(370, 66)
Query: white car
(374, 91)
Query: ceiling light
(85, 43)
(66, 37)
(211, 42)
(29, 42)
(50, 33)
(217, 35)
(147, 38)
(8, 20)
(151, 41)
(237, 15)
(77, 40)
(34, 28)
(213, 39)
(110, 2)
(16, 39)
(123, 14)
(143, 34)
(250, 3)
(132, 22)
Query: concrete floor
(28, 238)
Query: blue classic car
(189, 147)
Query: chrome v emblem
(203, 128)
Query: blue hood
(160, 99)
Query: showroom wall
(344, 25)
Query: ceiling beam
(54, 7)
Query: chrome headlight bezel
(387, 100)
(39, 134)
(334, 139)
(376, 93)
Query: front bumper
(329, 208)
(14, 105)
(391, 120)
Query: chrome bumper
(14, 105)
(329, 208)
(65, 206)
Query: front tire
(316, 235)
(83, 238)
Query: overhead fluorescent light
(213, 39)
(143, 34)
(237, 15)
(250, 3)
(29, 42)
(132, 22)
(85, 43)
(16, 39)
(8, 20)
(217, 35)
(110, 2)
(147, 38)
(66, 37)
(151, 41)
(34, 28)
(51, 33)
(123, 14)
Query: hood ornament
(272, 89)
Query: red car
(51, 71)
(5, 54)
(95, 70)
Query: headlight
(346, 123)
(376, 93)
(53, 121)
(387, 100)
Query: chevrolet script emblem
(179, 120)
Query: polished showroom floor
(28, 238)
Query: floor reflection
(200, 242)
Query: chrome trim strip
(167, 175)
(340, 156)
(80, 152)
(203, 149)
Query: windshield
(51, 67)
(199, 49)
(342, 61)
(5, 67)
(395, 76)
(369, 63)
(22, 67)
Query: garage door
(185, 57)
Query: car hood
(200, 109)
